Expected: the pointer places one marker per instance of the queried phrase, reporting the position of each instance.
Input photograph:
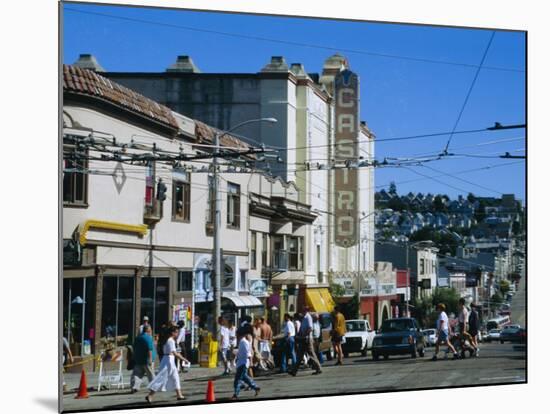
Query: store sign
(346, 87)
(258, 287)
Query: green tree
(439, 205)
(496, 301)
(336, 290)
(504, 287)
(393, 188)
(471, 198)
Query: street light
(359, 261)
(217, 218)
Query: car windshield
(355, 326)
(396, 325)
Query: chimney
(298, 70)
(277, 64)
(88, 61)
(183, 64)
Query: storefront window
(154, 301)
(118, 308)
(79, 314)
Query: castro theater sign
(346, 87)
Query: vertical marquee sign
(346, 88)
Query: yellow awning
(319, 300)
(140, 229)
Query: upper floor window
(233, 205)
(181, 196)
(295, 253)
(422, 269)
(75, 179)
(253, 250)
(265, 264)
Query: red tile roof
(205, 133)
(87, 82)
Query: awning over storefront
(245, 301)
(319, 300)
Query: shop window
(154, 300)
(181, 196)
(253, 250)
(75, 179)
(233, 205)
(185, 281)
(79, 314)
(118, 309)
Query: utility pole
(359, 263)
(217, 253)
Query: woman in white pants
(168, 378)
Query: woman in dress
(168, 378)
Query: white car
(359, 337)
(431, 336)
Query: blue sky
(399, 97)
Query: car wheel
(364, 351)
(375, 356)
(501, 342)
(386, 357)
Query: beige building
(128, 253)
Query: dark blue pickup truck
(398, 336)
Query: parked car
(398, 336)
(359, 337)
(515, 334)
(492, 335)
(325, 319)
(431, 336)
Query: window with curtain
(233, 205)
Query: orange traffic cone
(83, 388)
(210, 397)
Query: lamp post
(359, 262)
(217, 217)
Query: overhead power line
(293, 43)
(469, 92)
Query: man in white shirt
(244, 357)
(289, 333)
(145, 322)
(443, 332)
(306, 347)
(463, 316)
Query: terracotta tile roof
(205, 133)
(87, 82)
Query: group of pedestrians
(302, 339)
(144, 355)
(465, 338)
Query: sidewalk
(195, 372)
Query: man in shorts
(473, 326)
(443, 332)
(338, 332)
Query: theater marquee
(346, 87)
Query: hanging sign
(346, 88)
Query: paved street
(498, 363)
